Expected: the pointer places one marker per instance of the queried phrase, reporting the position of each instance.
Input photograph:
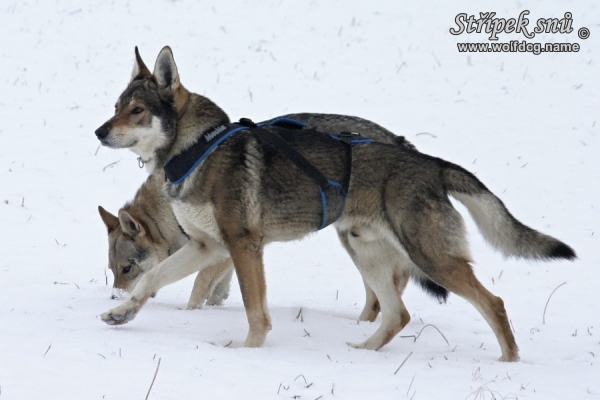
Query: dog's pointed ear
(140, 71)
(165, 70)
(130, 225)
(109, 220)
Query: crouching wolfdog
(144, 233)
(396, 221)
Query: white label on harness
(211, 135)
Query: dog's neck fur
(189, 109)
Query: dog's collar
(180, 166)
(183, 164)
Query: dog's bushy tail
(497, 225)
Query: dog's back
(336, 123)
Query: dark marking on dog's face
(144, 119)
(132, 252)
(128, 258)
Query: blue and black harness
(181, 166)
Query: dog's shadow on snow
(226, 325)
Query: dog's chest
(197, 220)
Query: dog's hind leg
(435, 238)
(212, 283)
(378, 262)
(458, 277)
(247, 252)
(372, 307)
(221, 289)
(192, 257)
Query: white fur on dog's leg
(372, 307)
(199, 292)
(190, 258)
(122, 314)
(511, 358)
(255, 339)
(378, 262)
(505, 358)
(118, 317)
(257, 336)
(194, 306)
(212, 285)
(358, 346)
(221, 289)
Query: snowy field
(527, 125)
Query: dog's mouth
(110, 143)
(118, 294)
(107, 138)
(114, 143)
(106, 142)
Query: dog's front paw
(510, 358)
(194, 305)
(114, 317)
(356, 345)
(364, 345)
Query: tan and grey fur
(133, 252)
(397, 222)
(144, 233)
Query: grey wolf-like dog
(145, 231)
(397, 221)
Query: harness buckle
(348, 137)
(247, 122)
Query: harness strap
(327, 187)
(280, 145)
(350, 139)
(180, 166)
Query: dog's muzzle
(118, 294)
(102, 132)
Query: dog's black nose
(102, 132)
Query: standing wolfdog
(397, 221)
(145, 231)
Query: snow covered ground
(527, 125)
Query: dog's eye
(127, 269)
(137, 110)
